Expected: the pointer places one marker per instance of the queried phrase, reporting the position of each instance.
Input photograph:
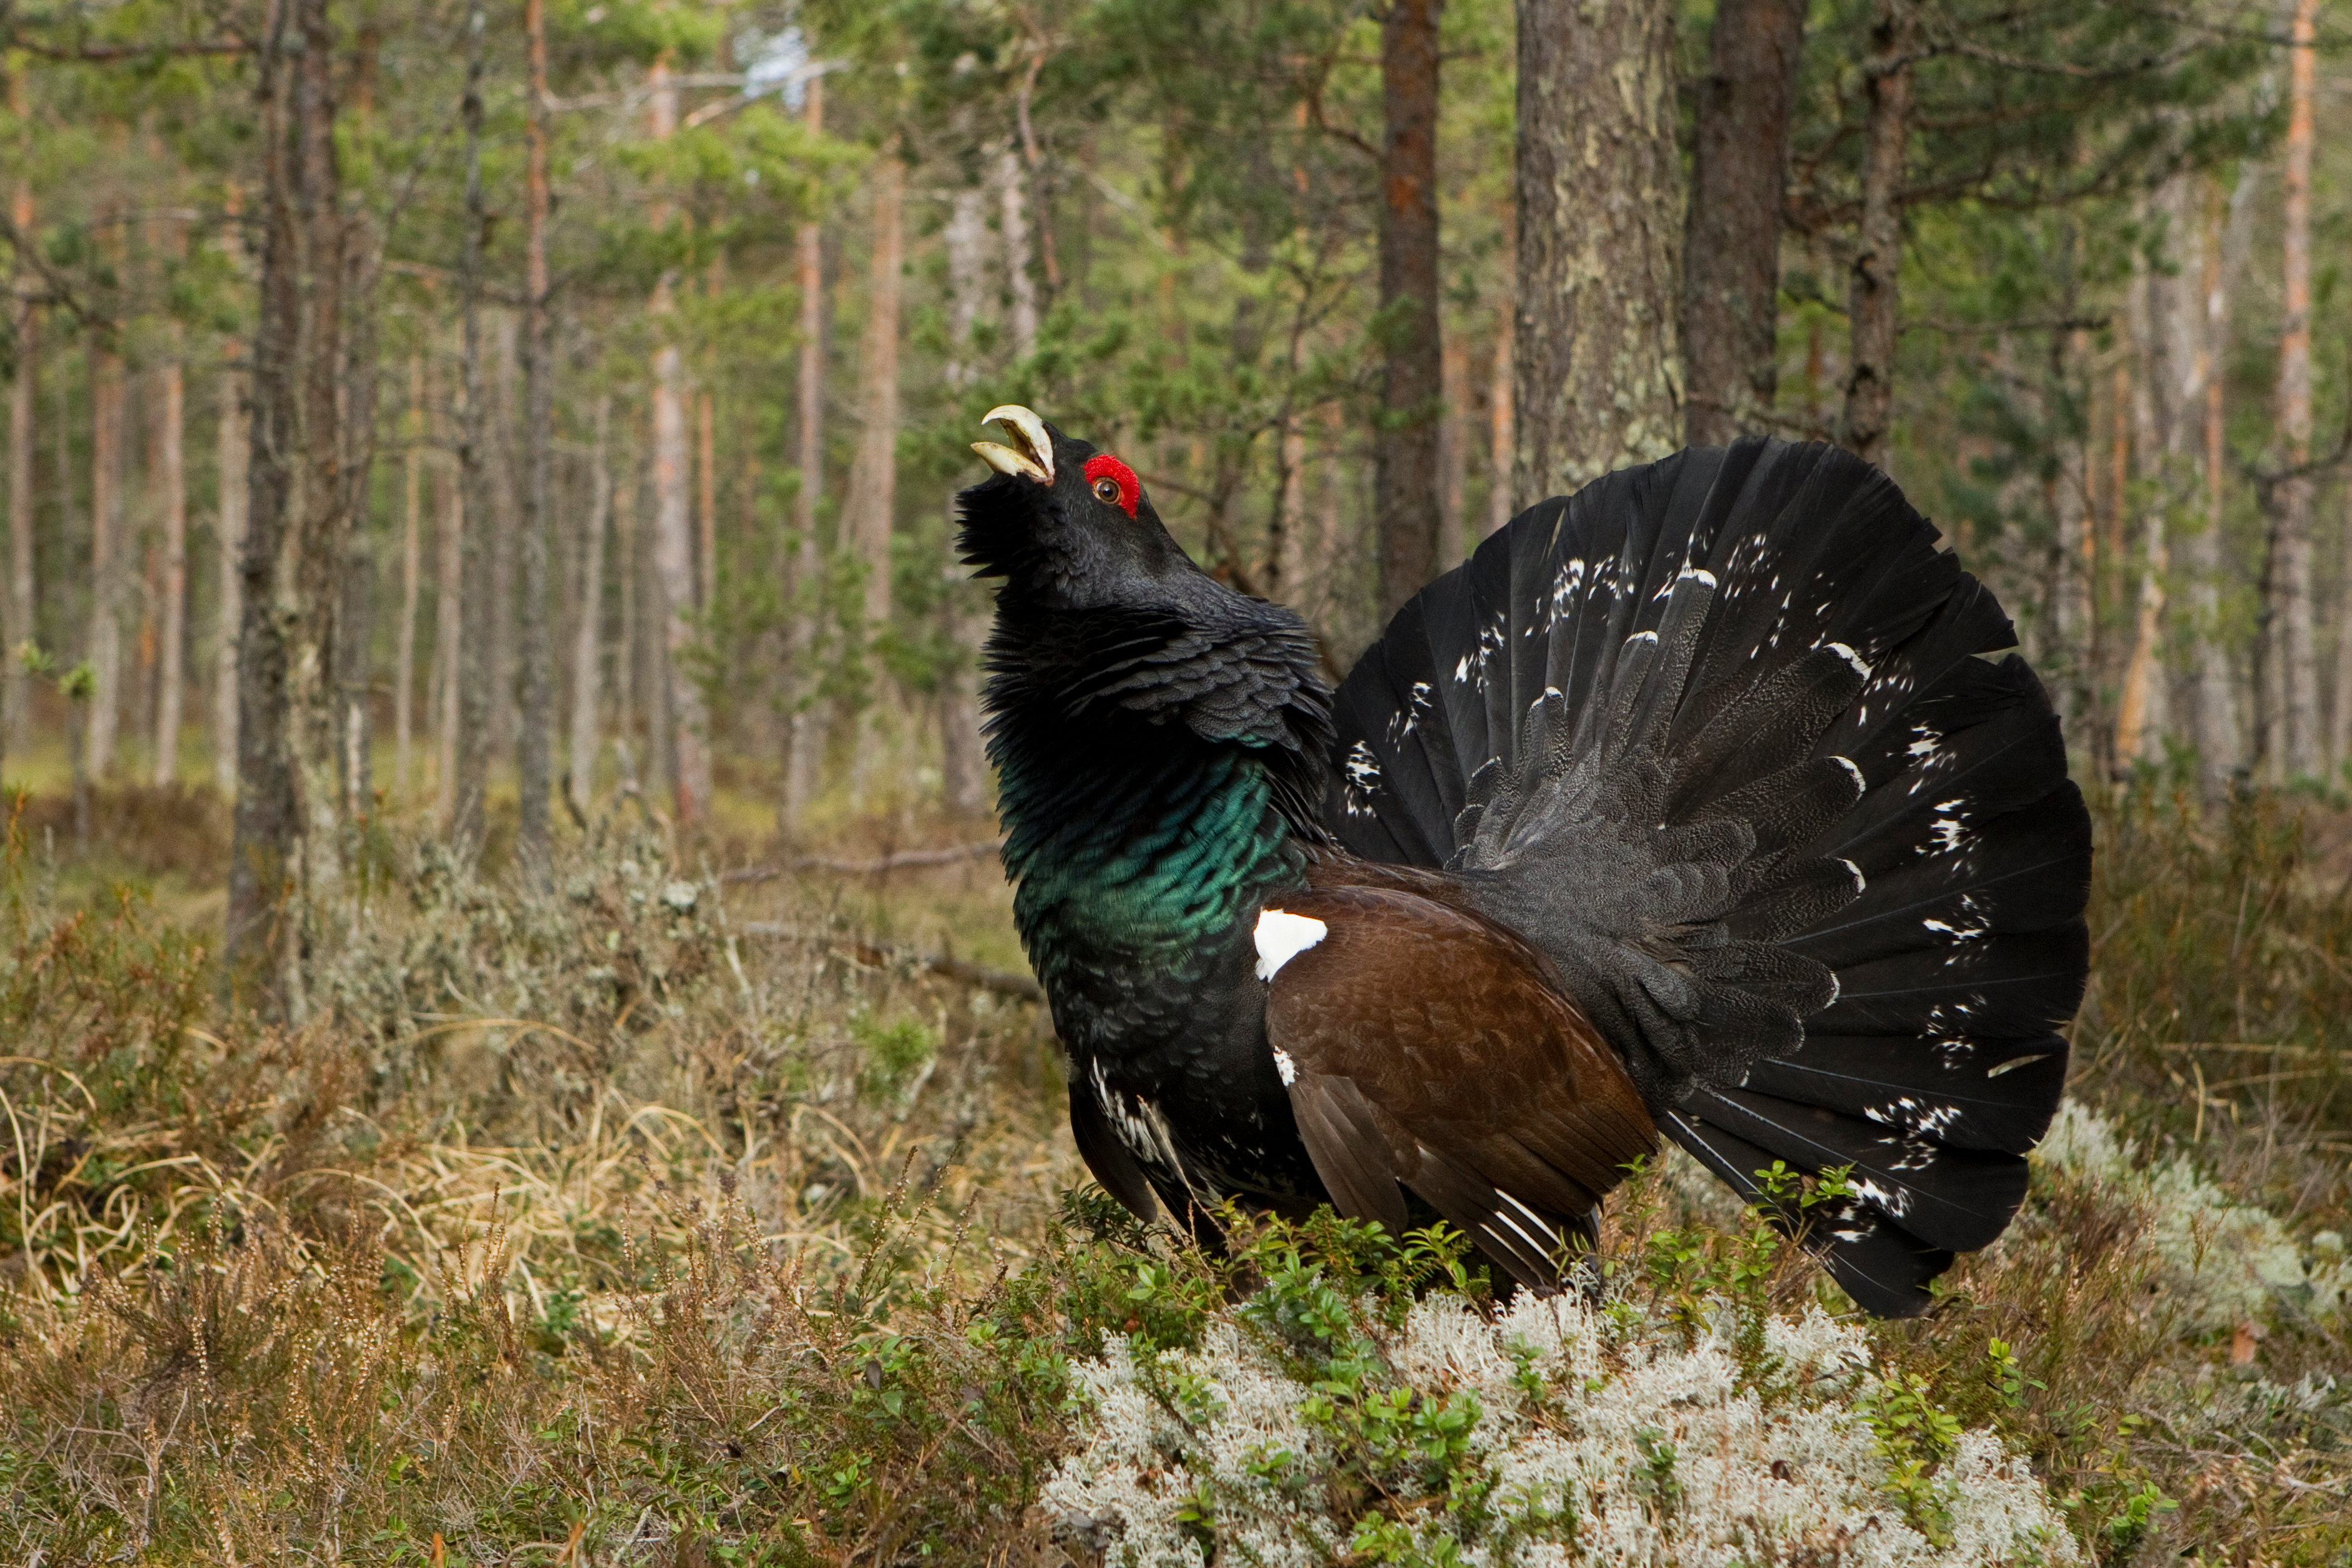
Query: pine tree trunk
(1502, 427)
(2139, 712)
(104, 649)
(235, 452)
(538, 647)
(1731, 245)
(472, 667)
(171, 674)
(868, 510)
(682, 735)
(286, 855)
(588, 639)
(448, 631)
(963, 769)
(412, 562)
(1407, 509)
(1597, 344)
(1013, 206)
(1874, 297)
(804, 732)
(2294, 661)
(22, 492)
(705, 522)
(2220, 746)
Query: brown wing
(1424, 1046)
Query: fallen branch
(882, 955)
(903, 860)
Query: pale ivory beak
(1028, 430)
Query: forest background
(505, 829)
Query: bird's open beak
(1032, 453)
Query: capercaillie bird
(1703, 801)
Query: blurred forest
(568, 399)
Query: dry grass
(647, 1218)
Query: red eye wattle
(1114, 482)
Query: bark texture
(804, 732)
(684, 730)
(2220, 744)
(869, 506)
(234, 447)
(2293, 748)
(1405, 490)
(473, 667)
(537, 684)
(171, 483)
(1597, 347)
(1874, 294)
(286, 852)
(104, 645)
(580, 777)
(411, 564)
(23, 438)
(1731, 247)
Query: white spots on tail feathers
(1921, 1118)
(1284, 1067)
(1564, 590)
(1895, 1202)
(1462, 670)
(1850, 656)
(1362, 772)
(1416, 706)
(2014, 1062)
(1697, 574)
(1281, 936)
(1861, 785)
(1923, 742)
(1949, 831)
(1860, 881)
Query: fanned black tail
(1719, 736)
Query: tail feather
(1721, 736)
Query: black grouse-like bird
(1695, 803)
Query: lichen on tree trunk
(1597, 349)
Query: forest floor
(715, 1203)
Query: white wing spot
(1849, 655)
(1285, 1066)
(1282, 937)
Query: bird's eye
(1106, 490)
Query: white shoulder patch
(1282, 937)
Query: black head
(1066, 525)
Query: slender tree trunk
(477, 592)
(1874, 297)
(964, 771)
(2140, 712)
(1597, 346)
(1502, 429)
(2220, 746)
(281, 859)
(684, 734)
(705, 522)
(448, 631)
(588, 640)
(502, 464)
(628, 662)
(538, 646)
(1453, 450)
(1013, 206)
(1732, 244)
(412, 562)
(23, 494)
(234, 453)
(106, 546)
(805, 733)
(868, 510)
(2294, 654)
(1407, 503)
(170, 675)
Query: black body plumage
(1719, 737)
